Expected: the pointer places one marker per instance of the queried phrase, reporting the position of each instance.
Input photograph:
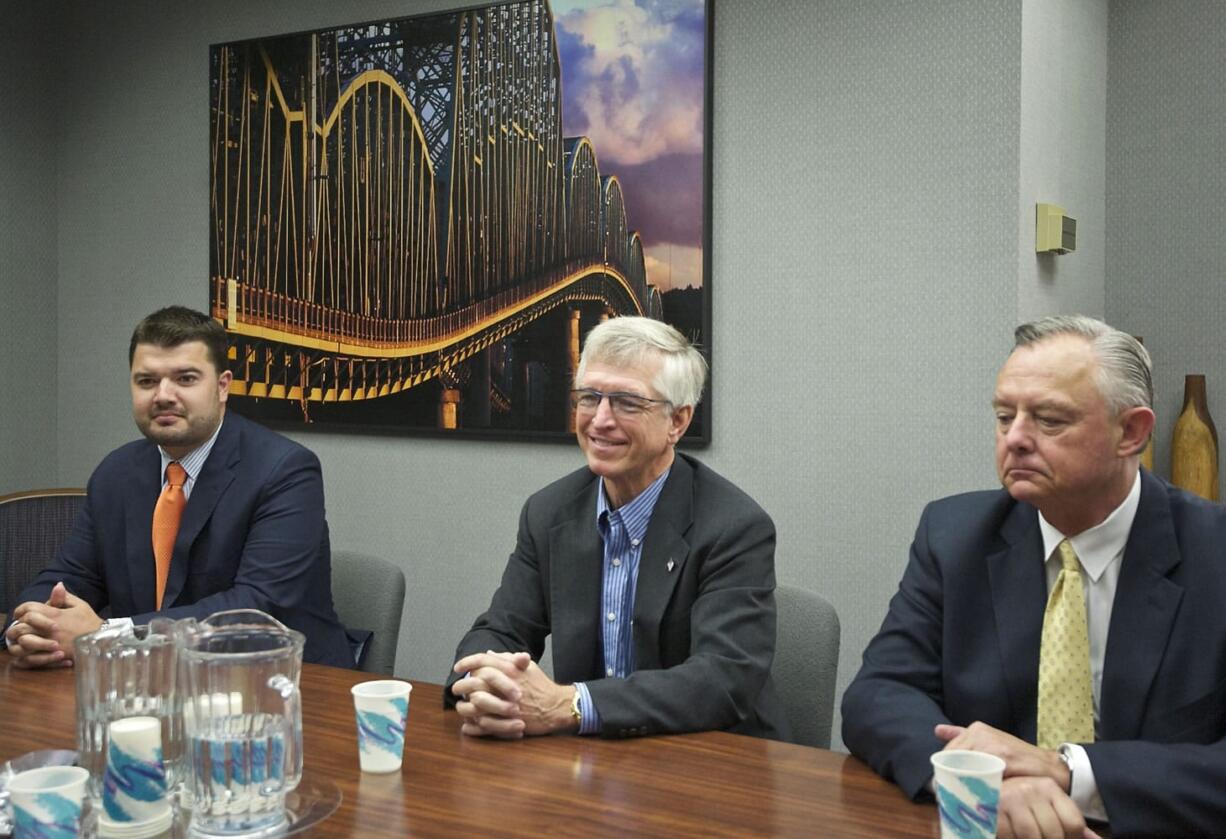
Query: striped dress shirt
(192, 463)
(622, 531)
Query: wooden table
(712, 784)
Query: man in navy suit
(252, 533)
(956, 663)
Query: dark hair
(177, 325)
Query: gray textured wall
(872, 164)
(1166, 196)
(866, 159)
(27, 252)
(1063, 153)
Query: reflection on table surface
(709, 784)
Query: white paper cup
(47, 801)
(968, 792)
(382, 711)
(134, 799)
(136, 830)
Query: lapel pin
(671, 565)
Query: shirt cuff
(118, 624)
(1084, 789)
(589, 717)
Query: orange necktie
(166, 516)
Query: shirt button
(609, 671)
(634, 542)
(616, 562)
(612, 616)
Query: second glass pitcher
(242, 721)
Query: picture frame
(414, 222)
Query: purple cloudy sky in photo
(632, 81)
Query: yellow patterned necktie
(1066, 703)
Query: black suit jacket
(253, 536)
(961, 643)
(704, 631)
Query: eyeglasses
(622, 404)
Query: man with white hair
(654, 576)
(1072, 623)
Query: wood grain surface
(712, 784)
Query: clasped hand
(508, 695)
(1034, 798)
(42, 633)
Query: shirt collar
(1102, 543)
(635, 514)
(193, 461)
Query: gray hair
(1125, 373)
(633, 341)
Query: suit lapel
(1146, 603)
(144, 488)
(1019, 596)
(662, 562)
(215, 476)
(575, 567)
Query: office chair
(33, 524)
(806, 663)
(368, 594)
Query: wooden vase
(1194, 446)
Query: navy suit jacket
(704, 628)
(961, 643)
(252, 536)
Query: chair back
(368, 593)
(33, 525)
(806, 662)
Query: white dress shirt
(192, 462)
(1101, 552)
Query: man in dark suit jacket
(252, 533)
(956, 663)
(653, 574)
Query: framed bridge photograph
(415, 222)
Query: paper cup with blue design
(47, 802)
(134, 795)
(382, 710)
(968, 792)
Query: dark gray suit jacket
(253, 536)
(961, 643)
(704, 632)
